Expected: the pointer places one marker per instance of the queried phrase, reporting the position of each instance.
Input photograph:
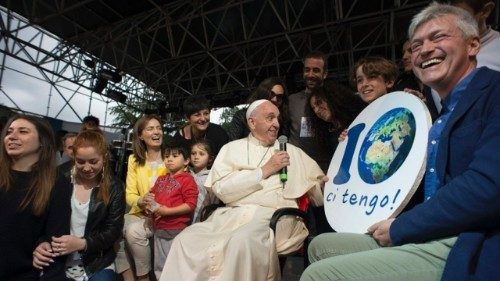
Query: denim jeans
(104, 275)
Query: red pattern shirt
(172, 191)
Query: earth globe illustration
(386, 145)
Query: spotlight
(116, 96)
(110, 75)
(89, 63)
(100, 85)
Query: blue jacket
(467, 204)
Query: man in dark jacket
(455, 233)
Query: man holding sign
(455, 233)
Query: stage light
(99, 85)
(110, 75)
(102, 78)
(89, 63)
(116, 96)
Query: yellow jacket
(137, 183)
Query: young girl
(201, 159)
(175, 196)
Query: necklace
(82, 193)
(248, 153)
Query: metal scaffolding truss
(58, 63)
(219, 48)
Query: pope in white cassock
(235, 243)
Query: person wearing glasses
(272, 89)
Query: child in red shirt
(175, 197)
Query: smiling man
(314, 73)
(455, 233)
(235, 242)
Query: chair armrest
(287, 212)
(208, 210)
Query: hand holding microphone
(277, 163)
(283, 173)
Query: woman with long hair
(145, 165)
(272, 89)
(334, 107)
(34, 203)
(97, 209)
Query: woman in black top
(97, 210)
(334, 107)
(197, 112)
(34, 205)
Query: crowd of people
(78, 221)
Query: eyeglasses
(279, 97)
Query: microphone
(283, 173)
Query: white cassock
(235, 243)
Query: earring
(73, 174)
(103, 171)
